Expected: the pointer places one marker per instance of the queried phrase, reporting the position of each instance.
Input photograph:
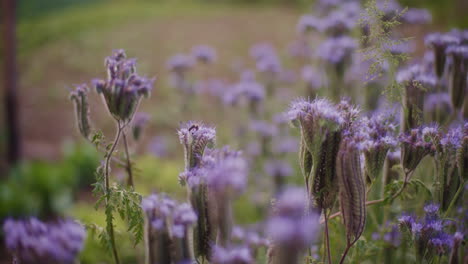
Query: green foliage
(378, 52)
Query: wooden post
(11, 100)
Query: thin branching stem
(398, 193)
(345, 253)
(455, 198)
(107, 185)
(128, 167)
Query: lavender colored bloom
(269, 63)
(283, 145)
(278, 170)
(204, 54)
(123, 89)
(264, 129)
(226, 171)
(431, 209)
(261, 50)
(252, 91)
(195, 137)
(336, 50)
(34, 241)
(79, 96)
(289, 229)
(338, 23)
(234, 255)
(308, 23)
(313, 78)
(378, 134)
(437, 103)
(180, 63)
(439, 43)
(414, 147)
(158, 146)
(417, 16)
(183, 218)
(300, 49)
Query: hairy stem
(107, 185)
(128, 167)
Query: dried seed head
(195, 137)
(457, 74)
(414, 147)
(352, 188)
(123, 89)
(80, 99)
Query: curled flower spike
(80, 99)
(439, 43)
(352, 189)
(458, 73)
(378, 140)
(123, 89)
(204, 54)
(33, 241)
(195, 137)
(291, 231)
(414, 147)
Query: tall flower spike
(124, 88)
(291, 231)
(416, 84)
(183, 219)
(439, 43)
(352, 189)
(195, 137)
(226, 176)
(34, 241)
(458, 73)
(80, 99)
(414, 147)
(379, 139)
(320, 123)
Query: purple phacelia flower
(253, 92)
(308, 23)
(313, 79)
(338, 23)
(79, 96)
(264, 129)
(278, 170)
(437, 102)
(300, 49)
(180, 63)
(414, 147)
(138, 124)
(290, 230)
(431, 209)
(262, 50)
(123, 89)
(226, 172)
(283, 145)
(417, 16)
(337, 50)
(233, 255)
(204, 54)
(182, 219)
(34, 241)
(439, 43)
(195, 137)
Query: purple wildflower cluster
(429, 233)
(34, 241)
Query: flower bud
(80, 99)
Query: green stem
(107, 185)
(128, 167)
(327, 238)
(455, 198)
